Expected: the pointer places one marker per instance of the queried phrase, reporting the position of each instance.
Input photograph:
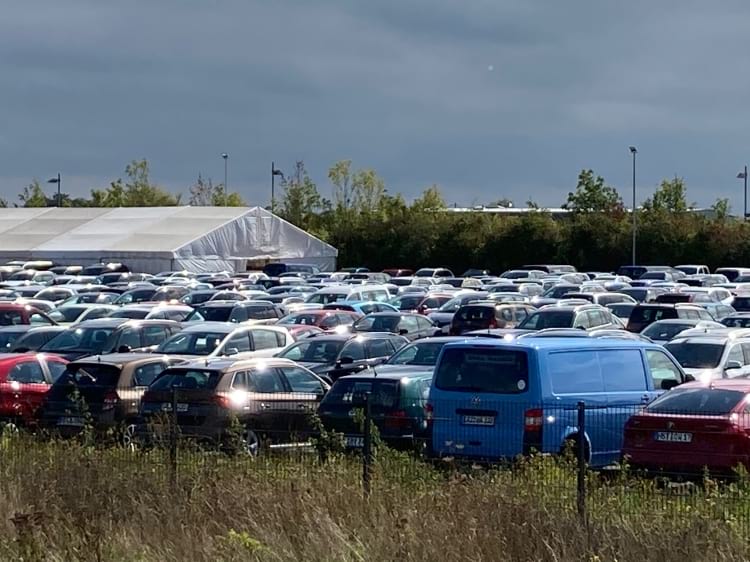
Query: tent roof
(124, 230)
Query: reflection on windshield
(377, 324)
(194, 343)
(80, 339)
(417, 354)
(314, 351)
(696, 355)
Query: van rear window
(499, 371)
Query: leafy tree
(137, 191)
(592, 195)
(368, 190)
(301, 200)
(340, 175)
(204, 193)
(33, 195)
(670, 197)
(721, 209)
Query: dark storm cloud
(486, 98)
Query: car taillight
(429, 414)
(110, 401)
(222, 401)
(396, 420)
(532, 420)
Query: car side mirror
(124, 349)
(689, 378)
(403, 332)
(581, 327)
(669, 384)
(345, 361)
(733, 365)
(232, 351)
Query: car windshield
(302, 318)
(186, 379)
(377, 324)
(93, 340)
(7, 339)
(210, 313)
(131, 313)
(497, 371)
(451, 306)
(192, 343)
(692, 355)
(407, 302)
(66, 313)
(548, 319)
(325, 298)
(314, 351)
(420, 353)
(654, 275)
(559, 292)
(700, 401)
(662, 331)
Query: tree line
(374, 227)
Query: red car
(12, 314)
(692, 427)
(24, 382)
(323, 319)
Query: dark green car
(397, 400)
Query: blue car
(494, 399)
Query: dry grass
(62, 502)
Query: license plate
(673, 437)
(167, 407)
(478, 420)
(354, 442)
(70, 421)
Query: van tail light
(533, 424)
(110, 401)
(397, 420)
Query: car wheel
(10, 429)
(128, 438)
(570, 447)
(251, 444)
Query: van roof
(555, 343)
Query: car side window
(239, 382)
(153, 335)
(129, 337)
(662, 368)
(264, 339)
(97, 313)
(521, 314)
(424, 323)
(56, 369)
(301, 381)
(265, 381)
(330, 321)
(240, 342)
(146, 374)
(704, 314)
(377, 348)
(506, 314)
(408, 323)
(38, 318)
(355, 350)
(28, 372)
(735, 355)
(239, 314)
(177, 315)
(582, 320)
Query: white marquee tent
(152, 239)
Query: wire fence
(591, 459)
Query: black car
(741, 303)
(645, 314)
(108, 387)
(443, 316)
(234, 311)
(109, 335)
(335, 355)
(411, 326)
(737, 320)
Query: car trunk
(194, 406)
(83, 389)
(474, 319)
(682, 442)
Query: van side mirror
(232, 351)
(669, 384)
(733, 365)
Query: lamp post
(634, 151)
(743, 176)
(274, 172)
(225, 156)
(59, 193)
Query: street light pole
(274, 172)
(743, 175)
(59, 192)
(634, 151)
(225, 156)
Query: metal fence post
(581, 458)
(173, 441)
(367, 447)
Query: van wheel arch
(571, 444)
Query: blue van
(496, 399)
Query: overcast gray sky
(486, 98)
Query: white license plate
(354, 442)
(70, 421)
(478, 420)
(167, 407)
(673, 437)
